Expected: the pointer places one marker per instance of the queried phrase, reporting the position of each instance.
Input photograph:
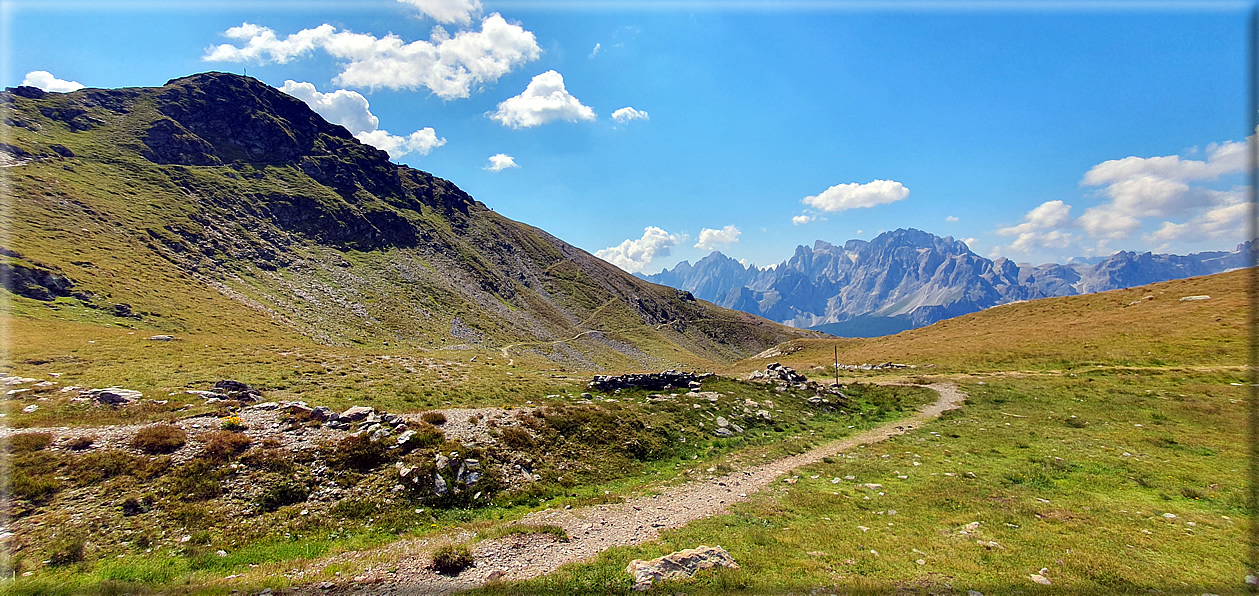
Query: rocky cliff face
(226, 181)
(909, 278)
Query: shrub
(426, 436)
(271, 459)
(232, 422)
(223, 445)
(67, 550)
(26, 442)
(517, 438)
(92, 468)
(451, 559)
(1074, 422)
(434, 418)
(36, 488)
(196, 480)
(285, 492)
(358, 453)
(159, 438)
(80, 443)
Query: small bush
(517, 438)
(91, 468)
(223, 445)
(426, 436)
(270, 459)
(133, 506)
(36, 488)
(159, 438)
(451, 559)
(80, 443)
(282, 493)
(1191, 493)
(358, 453)
(434, 418)
(66, 551)
(197, 480)
(1074, 422)
(27, 442)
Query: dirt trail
(597, 528)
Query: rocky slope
(218, 202)
(908, 278)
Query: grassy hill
(218, 206)
(1144, 326)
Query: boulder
(355, 414)
(161, 338)
(439, 485)
(678, 565)
(237, 390)
(405, 436)
(321, 413)
(113, 396)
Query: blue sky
(1037, 134)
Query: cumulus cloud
(635, 255)
(852, 195)
(1164, 186)
(544, 100)
(500, 162)
(422, 141)
(951, 218)
(351, 110)
(595, 52)
(448, 11)
(44, 80)
(709, 238)
(449, 66)
(1040, 228)
(802, 219)
(628, 113)
(1229, 217)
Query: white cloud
(1040, 229)
(351, 110)
(709, 238)
(422, 141)
(1228, 219)
(44, 80)
(853, 196)
(628, 113)
(347, 108)
(544, 100)
(595, 52)
(951, 218)
(449, 66)
(500, 162)
(802, 219)
(448, 11)
(1142, 187)
(635, 255)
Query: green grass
(1051, 495)
(583, 455)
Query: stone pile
(669, 379)
(884, 366)
(449, 475)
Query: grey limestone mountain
(908, 278)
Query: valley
(261, 356)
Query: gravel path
(597, 528)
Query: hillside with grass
(217, 205)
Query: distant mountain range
(908, 278)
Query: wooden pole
(837, 367)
